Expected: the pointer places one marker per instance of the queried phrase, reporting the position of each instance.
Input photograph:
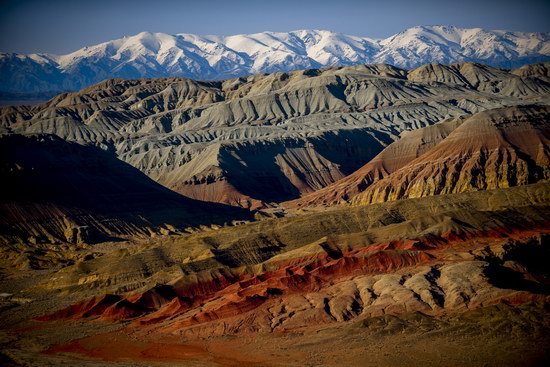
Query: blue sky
(63, 26)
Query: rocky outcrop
(497, 148)
(486, 79)
(534, 70)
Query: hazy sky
(63, 26)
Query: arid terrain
(348, 216)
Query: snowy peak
(468, 42)
(435, 35)
(218, 57)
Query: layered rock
(494, 149)
(497, 148)
(410, 146)
(224, 141)
(438, 256)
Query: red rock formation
(94, 307)
(228, 294)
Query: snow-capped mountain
(216, 57)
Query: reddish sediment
(229, 293)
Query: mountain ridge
(211, 57)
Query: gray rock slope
(257, 140)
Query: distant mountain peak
(155, 54)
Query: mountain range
(151, 55)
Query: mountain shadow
(52, 188)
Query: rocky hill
(492, 149)
(410, 145)
(224, 141)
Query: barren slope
(410, 145)
(498, 148)
(300, 131)
(54, 192)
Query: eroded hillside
(492, 149)
(298, 131)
